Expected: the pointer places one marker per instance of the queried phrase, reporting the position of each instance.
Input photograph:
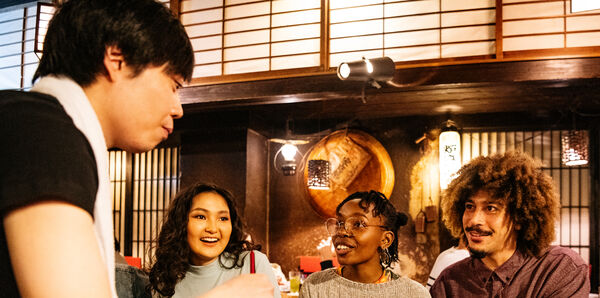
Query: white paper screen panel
(335, 4)
(246, 24)
(247, 10)
(296, 18)
(577, 23)
(202, 17)
(412, 38)
(411, 30)
(553, 25)
(46, 13)
(310, 31)
(464, 18)
(291, 61)
(405, 8)
(356, 43)
(247, 66)
(583, 39)
(356, 14)
(293, 47)
(529, 10)
(245, 38)
(412, 23)
(448, 5)
(336, 59)
(252, 36)
(413, 53)
(195, 31)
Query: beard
(478, 254)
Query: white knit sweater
(329, 284)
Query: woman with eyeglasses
(365, 237)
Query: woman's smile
(209, 227)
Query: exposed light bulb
(288, 151)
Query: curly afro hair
(518, 181)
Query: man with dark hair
(505, 207)
(108, 78)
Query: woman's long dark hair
(392, 220)
(171, 259)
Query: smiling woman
(202, 245)
(365, 237)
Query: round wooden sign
(358, 162)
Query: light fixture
(449, 147)
(371, 70)
(575, 148)
(318, 174)
(288, 151)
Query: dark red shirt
(559, 272)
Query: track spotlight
(373, 69)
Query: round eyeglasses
(352, 225)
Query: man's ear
(114, 63)
(386, 239)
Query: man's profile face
(487, 226)
(143, 108)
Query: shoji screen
(534, 25)
(18, 61)
(410, 30)
(117, 169)
(142, 185)
(241, 36)
(155, 183)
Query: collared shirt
(559, 272)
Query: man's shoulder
(459, 265)
(565, 253)
(31, 103)
(13, 96)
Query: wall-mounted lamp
(288, 151)
(575, 148)
(450, 162)
(318, 174)
(370, 70)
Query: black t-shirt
(42, 156)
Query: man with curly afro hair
(506, 208)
